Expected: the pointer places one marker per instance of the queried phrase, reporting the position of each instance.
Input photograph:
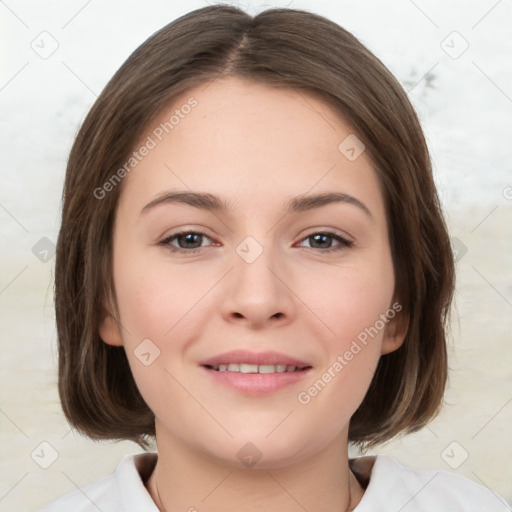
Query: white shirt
(391, 488)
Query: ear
(395, 332)
(109, 329)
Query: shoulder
(406, 489)
(123, 491)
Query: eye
(190, 242)
(185, 241)
(323, 240)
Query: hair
(285, 48)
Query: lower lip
(257, 383)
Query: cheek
(351, 353)
(153, 309)
(159, 304)
(349, 300)
(157, 296)
(354, 303)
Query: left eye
(323, 240)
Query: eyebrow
(214, 203)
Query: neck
(186, 479)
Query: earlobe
(394, 335)
(391, 343)
(109, 330)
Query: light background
(465, 105)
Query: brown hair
(282, 48)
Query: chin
(257, 451)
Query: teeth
(248, 368)
(254, 368)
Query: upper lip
(259, 358)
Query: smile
(255, 373)
(255, 368)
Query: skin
(255, 146)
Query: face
(282, 269)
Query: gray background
(57, 56)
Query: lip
(255, 384)
(245, 356)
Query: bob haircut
(284, 48)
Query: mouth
(256, 368)
(245, 361)
(255, 373)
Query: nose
(259, 293)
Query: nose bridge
(255, 289)
(252, 267)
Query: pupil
(320, 239)
(189, 239)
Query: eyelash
(343, 242)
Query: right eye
(187, 241)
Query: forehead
(238, 138)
